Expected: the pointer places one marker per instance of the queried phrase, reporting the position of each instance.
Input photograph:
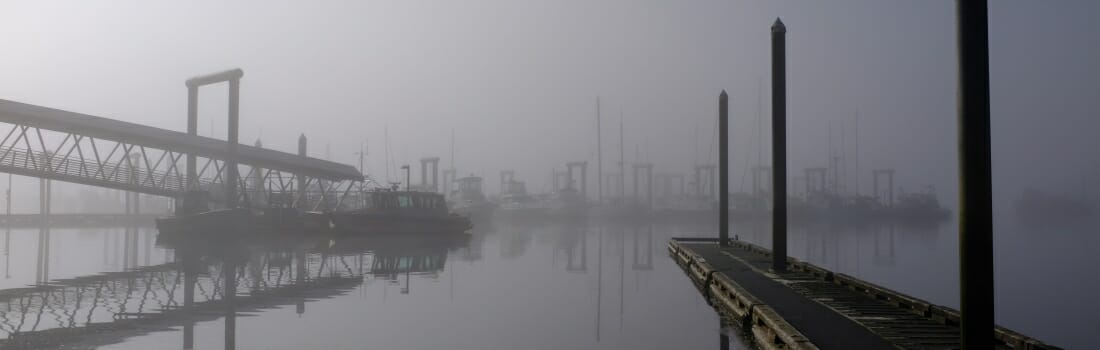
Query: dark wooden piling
(975, 174)
(723, 169)
(779, 146)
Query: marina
(548, 175)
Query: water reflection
(578, 285)
(215, 276)
(203, 292)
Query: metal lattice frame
(70, 157)
(158, 290)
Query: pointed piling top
(778, 26)
(259, 144)
(723, 95)
(302, 137)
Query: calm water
(509, 286)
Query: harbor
(548, 175)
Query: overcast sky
(517, 81)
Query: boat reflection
(213, 275)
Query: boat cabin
(405, 201)
(469, 188)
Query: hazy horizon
(517, 83)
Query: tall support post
(232, 76)
(723, 170)
(424, 173)
(234, 126)
(192, 130)
(779, 146)
(975, 174)
(435, 174)
(301, 186)
(257, 192)
(408, 177)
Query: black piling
(975, 174)
(724, 169)
(779, 146)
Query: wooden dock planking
(810, 307)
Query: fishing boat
(388, 212)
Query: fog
(514, 85)
(517, 83)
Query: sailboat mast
(599, 155)
(759, 124)
(622, 159)
(856, 158)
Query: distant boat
(924, 207)
(516, 203)
(395, 213)
(468, 200)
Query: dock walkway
(809, 307)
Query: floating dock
(809, 307)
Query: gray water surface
(506, 286)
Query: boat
(388, 212)
(923, 207)
(468, 200)
(516, 203)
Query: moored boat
(468, 200)
(395, 212)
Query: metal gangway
(60, 145)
